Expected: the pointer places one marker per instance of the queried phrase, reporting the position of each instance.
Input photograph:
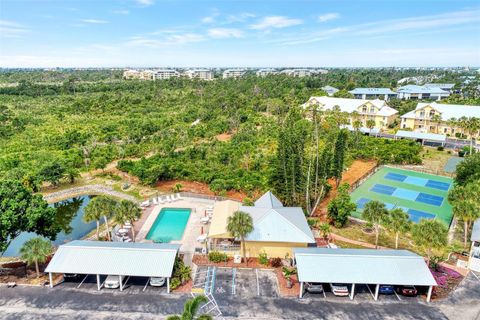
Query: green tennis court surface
(421, 195)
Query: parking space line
(234, 272)
(398, 297)
(258, 284)
(146, 284)
(83, 281)
(475, 275)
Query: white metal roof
(114, 258)
(372, 91)
(421, 135)
(448, 111)
(362, 266)
(361, 129)
(350, 105)
(476, 231)
(421, 89)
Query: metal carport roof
(114, 258)
(420, 135)
(362, 266)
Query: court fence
(365, 176)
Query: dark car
(384, 289)
(409, 291)
(314, 287)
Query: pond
(69, 216)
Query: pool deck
(194, 226)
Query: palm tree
(471, 126)
(239, 225)
(465, 205)
(190, 310)
(93, 213)
(397, 222)
(375, 213)
(437, 119)
(370, 125)
(127, 211)
(36, 250)
(107, 207)
(429, 235)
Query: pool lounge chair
(202, 238)
(160, 200)
(205, 220)
(145, 204)
(176, 197)
(155, 201)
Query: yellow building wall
(273, 249)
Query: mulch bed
(184, 288)
(282, 284)
(447, 280)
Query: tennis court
(422, 196)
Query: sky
(231, 33)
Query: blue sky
(147, 33)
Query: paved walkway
(94, 189)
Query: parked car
(70, 276)
(339, 289)
(314, 287)
(385, 289)
(157, 282)
(113, 282)
(409, 291)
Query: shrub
(175, 283)
(275, 262)
(262, 258)
(440, 148)
(215, 256)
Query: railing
(219, 247)
(204, 196)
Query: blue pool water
(169, 225)
(69, 216)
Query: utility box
(237, 258)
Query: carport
(421, 136)
(122, 259)
(362, 266)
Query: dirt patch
(224, 137)
(196, 187)
(354, 173)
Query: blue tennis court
(416, 215)
(405, 194)
(417, 181)
(383, 189)
(430, 199)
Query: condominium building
(436, 117)
(165, 74)
(298, 72)
(373, 93)
(138, 74)
(203, 74)
(233, 73)
(376, 110)
(411, 92)
(266, 72)
(444, 86)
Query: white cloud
(11, 29)
(211, 18)
(221, 33)
(121, 11)
(275, 22)
(170, 40)
(94, 21)
(328, 16)
(241, 17)
(145, 2)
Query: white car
(157, 282)
(339, 289)
(113, 282)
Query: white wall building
(266, 72)
(203, 74)
(165, 74)
(474, 260)
(233, 73)
(410, 92)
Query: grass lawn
(434, 160)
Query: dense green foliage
(341, 207)
(376, 214)
(468, 170)
(21, 211)
(430, 235)
(35, 251)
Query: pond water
(69, 216)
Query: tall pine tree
(339, 155)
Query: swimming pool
(169, 225)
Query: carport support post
(120, 280)
(300, 294)
(429, 295)
(98, 282)
(50, 279)
(377, 288)
(168, 285)
(353, 291)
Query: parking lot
(245, 283)
(131, 285)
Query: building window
(364, 109)
(404, 126)
(372, 109)
(432, 113)
(445, 130)
(422, 114)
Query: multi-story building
(474, 259)
(444, 86)
(436, 117)
(266, 72)
(165, 74)
(413, 92)
(233, 73)
(203, 74)
(297, 72)
(359, 109)
(373, 93)
(138, 74)
(330, 90)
